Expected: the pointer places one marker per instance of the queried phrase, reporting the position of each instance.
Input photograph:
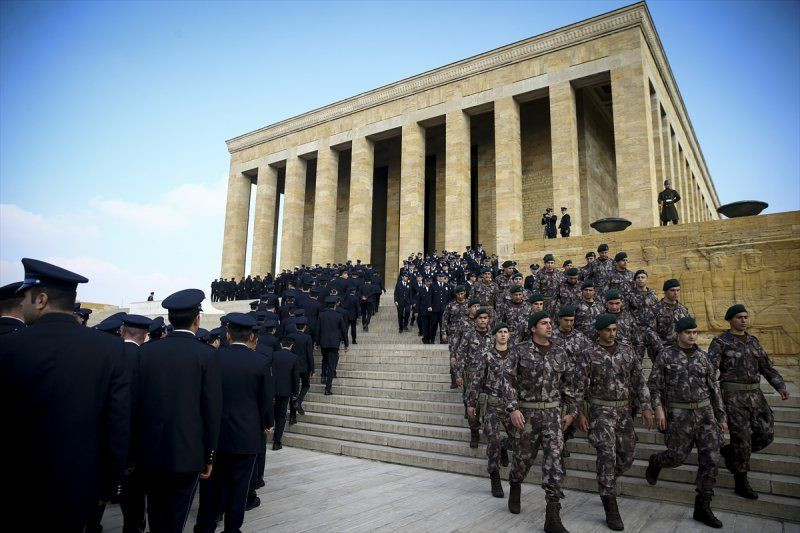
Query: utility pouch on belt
(483, 404)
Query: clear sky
(113, 115)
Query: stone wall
(751, 260)
(483, 137)
(537, 166)
(597, 166)
(308, 211)
(342, 207)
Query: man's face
(345, 275)
(603, 254)
(641, 281)
(673, 293)
(461, 296)
(537, 306)
(501, 337)
(608, 335)
(572, 280)
(428, 282)
(566, 323)
(508, 271)
(440, 279)
(482, 321)
(543, 328)
(517, 297)
(589, 260)
(405, 279)
(588, 293)
(473, 309)
(419, 279)
(622, 264)
(687, 337)
(740, 321)
(486, 277)
(614, 306)
(549, 265)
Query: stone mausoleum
(587, 116)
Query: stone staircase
(392, 402)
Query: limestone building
(587, 116)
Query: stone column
(264, 221)
(324, 236)
(237, 214)
(359, 226)
(412, 191)
(457, 230)
(633, 140)
(564, 149)
(393, 259)
(508, 176)
(294, 196)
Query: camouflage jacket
(681, 378)
(504, 298)
(516, 316)
(491, 376)
(600, 273)
(628, 331)
(642, 305)
(585, 272)
(666, 315)
(486, 293)
(470, 350)
(611, 377)
(541, 377)
(623, 282)
(503, 282)
(567, 294)
(455, 317)
(741, 360)
(547, 284)
(573, 342)
(585, 313)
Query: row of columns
(635, 172)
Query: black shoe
(474, 438)
(328, 393)
(322, 380)
(292, 420)
(497, 487)
(513, 497)
(252, 503)
(260, 483)
(366, 328)
(613, 519)
(354, 342)
(301, 410)
(743, 488)
(552, 520)
(653, 470)
(399, 330)
(702, 511)
(277, 446)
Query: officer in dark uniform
(157, 329)
(303, 348)
(178, 415)
(65, 397)
(82, 314)
(666, 203)
(441, 294)
(566, 223)
(332, 333)
(247, 396)
(403, 298)
(284, 368)
(11, 318)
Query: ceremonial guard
(566, 223)
(666, 204)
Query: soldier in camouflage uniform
(485, 290)
(535, 390)
(505, 298)
(601, 269)
(515, 313)
(667, 312)
(568, 292)
(548, 280)
(464, 325)
(490, 380)
(741, 361)
(627, 330)
(689, 408)
(574, 343)
(642, 303)
(471, 350)
(504, 279)
(586, 270)
(621, 279)
(587, 309)
(453, 318)
(609, 374)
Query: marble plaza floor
(312, 491)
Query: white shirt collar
(183, 331)
(132, 342)
(15, 318)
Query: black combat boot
(726, 451)
(702, 511)
(743, 488)
(474, 438)
(653, 470)
(552, 519)
(504, 453)
(513, 497)
(497, 487)
(613, 519)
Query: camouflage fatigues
(680, 378)
(566, 294)
(641, 306)
(585, 313)
(666, 315)
(486, 293)
(574, 343)
(600, 272)
(455, 321)
(503, 282)
(470, 352)
(623, 282)
(547, 285)
(585, 272)
(743, 360)
(629, 332)
(615, 376)
(540, 376)
(490, 379)
(516, 316)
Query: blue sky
(113, 115)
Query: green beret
(640, 271)
(686, 322)
(498, 327)
(612, 294)
(567, 310)
(620, 256)
(548, 257)
(536, 297)
(482, 311)
(508, 264)
(516, 274)
(536, 317)
(567, 262)
(589, 254)
(571, 272)
(473, 301)
(486, 269)
(604, 320)
(602, 248)
(671, 283)
(587, 284)
(516, 288)
(459, 288)
(734, 310)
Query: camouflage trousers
(687, 428)
(473, 422)
(497, 420)
(542, 430)
(612, 434)
(751, 425)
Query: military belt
(539, 405)
(732, 385)
(494, 400)
(689, 405)
(609, 403)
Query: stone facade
(587, 116)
